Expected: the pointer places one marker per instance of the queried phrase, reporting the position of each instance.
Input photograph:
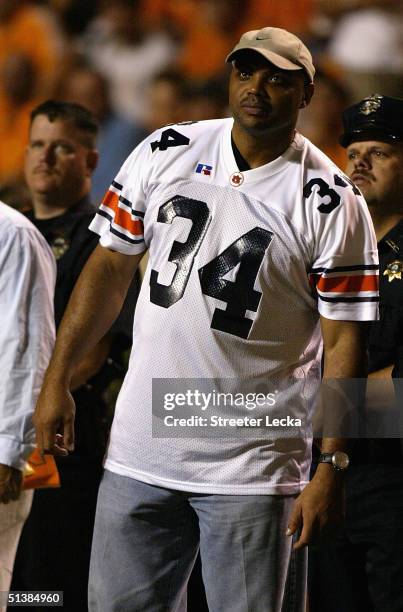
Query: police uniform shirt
(72, 244)
(386, 338)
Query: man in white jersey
(258, 247)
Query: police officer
(54, 549)
(362, 567)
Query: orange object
(14, 127)
(31, 33)
(40, 472)
(292, 15)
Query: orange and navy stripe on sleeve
(124, 221)
(357, 283)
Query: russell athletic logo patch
(204, 169)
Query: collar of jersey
(256, 174)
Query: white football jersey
(241, 265)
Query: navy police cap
(374, 118)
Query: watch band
(325, 458)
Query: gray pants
(146, 540)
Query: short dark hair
(78, 115)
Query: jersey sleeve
(344, 273)
(119, 218)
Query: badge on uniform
(59, 245)
(370, 105)
(394, 270)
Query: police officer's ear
(307, 95)
(92, 160)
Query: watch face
(340, 460)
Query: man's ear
(308, 93)
(92, 159)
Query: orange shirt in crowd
(29, 32)
(14, 126)
(292, 15)
(205, 45)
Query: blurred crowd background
(140, 64)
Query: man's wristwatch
(339, 460)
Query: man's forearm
(345, 358)
(321, 500)
(92, 363)
(94, 305)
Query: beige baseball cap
(281, 48)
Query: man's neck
(47, 208)
(258, 151)
(47, 211)
(384, 222)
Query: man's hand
(94, 305)
(54, 419)
(320, 504)
(10, 483)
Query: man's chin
(256, 125)
(42, 186)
